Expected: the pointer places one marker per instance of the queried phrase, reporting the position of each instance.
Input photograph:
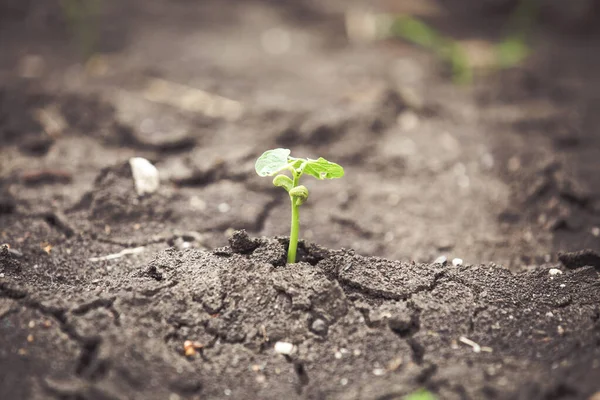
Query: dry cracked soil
(185, 293)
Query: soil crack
(90, 365)
(263, 215)
(91, 305)
(59, 221)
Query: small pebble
(190, 352)
(145, 176)
(560, 330)
(343, 381)
(256, 368)
(596, 231)
(549, 314)
(181, 244)
(555, 271)
(379, 371)
(457, 262)
(189, 348)
(441, 260)
(15, 253)
(562, 285)
(319, 326)
(284, 348)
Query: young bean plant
(277, 162)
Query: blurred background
(467, 129)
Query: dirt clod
(241, 243)
(580, 259)
(8, 260)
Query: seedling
(420, 394)
(276, 162)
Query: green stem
(295, 227)
(291, 259)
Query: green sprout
(420, 394)
(447, 49)
(277, 161)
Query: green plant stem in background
(81, 15)
(510, 52)
(513, 50)
(273, 162)
(451, 52)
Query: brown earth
(502, 174)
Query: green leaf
(323, 169)
(420, 394)
(272, 161)
(300, 193)
(284, 182)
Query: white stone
(555, 271)
(441, 260)
(285, 348)
(145, 176)
(457, 262)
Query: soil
(101, 289)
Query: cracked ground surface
(502, 174)
(363, 328)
